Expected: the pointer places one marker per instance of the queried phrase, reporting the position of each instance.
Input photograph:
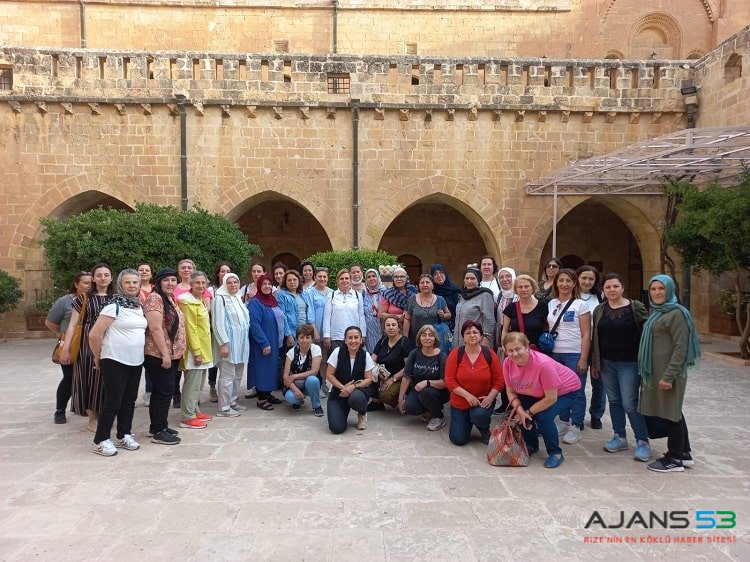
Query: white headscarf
(232, 300)
(510, 293)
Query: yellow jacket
(197, 333)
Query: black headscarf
(448, 290)
(469, 294)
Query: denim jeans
(578, 406)
(339, 407)
(310, 386)
(622, 383)
(459, 431)
(545, 422)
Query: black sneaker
(319, 413)
(296, 407)
(687, 460)
(165, 438)
(666, 464)
(168, 430)
(596, 423)
(60, 416)
(176, 400)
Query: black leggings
(162, 388)
(678, 442)
(120, 392)
(65, 388)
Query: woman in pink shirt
(539, 388)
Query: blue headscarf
(657, 310)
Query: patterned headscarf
(123, 299)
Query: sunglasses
(553, 266)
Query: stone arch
(732, 68)
(482, 213)
(237, 200)
(655, 32)
(696, 54)
(615, 54)
(710, 6)
(641, 226)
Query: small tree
(342, 259)
(157, 235)
(10, 291)
(712, 233)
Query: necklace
(425, 307)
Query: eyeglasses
(399, 276)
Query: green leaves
(10, 291)
(342, 259)
(157, 235)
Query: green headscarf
(646, 347)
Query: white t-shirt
(591, 304)
(569, 330)
(333, 360)
(315, 351)
(125, 338)
(493, 285)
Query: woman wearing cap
(199, 355)
(117, 342)
(266, 338)
(669, 346)
(477, 304)
(231, 324)
(165, 346)
(474, 377)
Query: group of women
(411, 348)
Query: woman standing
(477, 304)
(590, 292)
(474, 378)
(546, 283)
(57, 321)
(532, 320)
(278, 270)
(350, 371)
(266, 338)
(343, 309)
(231, 325)
(372, 298)
(221, 269)
(165, 346)
(424, 308)
(199, 356)
(301, 367)
(390, 354)
(539, 388)
(319, 294)
(297, 308)
(87, 384)
(251, 289)
(145, 272)
(669, 345)
(506, 277)
(395, 299)
(424, 372)
(572, 345)
(444, 287)
(117, 342)
(488, 269)
(355, 272)
(308, 274)
(617, 334)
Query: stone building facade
(422, 150)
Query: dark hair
(610, 276)
(217, 269)
(169, 311)
(263, 267)
(144, 263)
(549, 261)
(278, 265)
(110, 287)
(470, 324)
(570, 273)
(305, 330)
(597, 288)
(494, 264)
(355, 264)
(304, 263)
(352, 328)
(72, 290)
(297, 275)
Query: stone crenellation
(376, 81)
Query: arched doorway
(283, 228)
(593, 234)
(434, 232)
(412, 264)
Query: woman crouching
(539, 388)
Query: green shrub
(160, 236)
(342, 259)
(10, 291)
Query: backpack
(485, 352)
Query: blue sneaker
(553, 461)
(642, 451)
(616, 444)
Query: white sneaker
(229, 413)
(573, 435)
(237, 407)
(436, 424)
(146, 398)
(562, 426)
(251, 393)
(361, 421)
(127, 442)
(105, 448)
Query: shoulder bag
(75, 340)
(546, 341)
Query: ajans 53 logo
(701, 519)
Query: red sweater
(478, 379)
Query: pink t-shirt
(207, 296)
(539, 374)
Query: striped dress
(87, 383)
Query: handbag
(75, 340)
(445, 336)
(546, 341)
(58, 349)
(507, 446)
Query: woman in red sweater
(474, 376)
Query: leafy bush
(342, 259)
(158, 235)
(10, 291)
(728, 301)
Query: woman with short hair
(117, 342)
(344, 308)
(424, 308)
(57, 321)
(301, 367)
(296, 306)
(350, 372)
(533, 318)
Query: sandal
(273, 400)
(264, 405)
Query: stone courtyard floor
(278, 486)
